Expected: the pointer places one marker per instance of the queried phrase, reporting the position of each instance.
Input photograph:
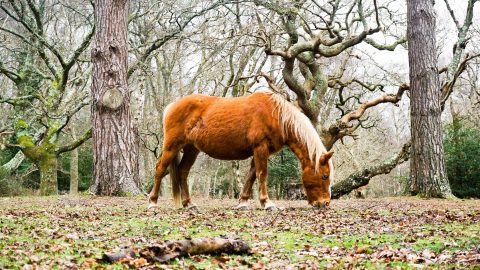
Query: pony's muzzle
(321, 205)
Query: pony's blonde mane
(291, 118)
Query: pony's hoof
(242, 206)
(270, 207)
(192, 207)
(152, 206)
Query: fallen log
(173, 249)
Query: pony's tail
(175, 178)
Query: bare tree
(115, 136)
(47, 78)
(449, 76)
(427, 167)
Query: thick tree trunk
(115, 137)
(74, 167)
(45, 158)
(47, 166)
(427, 167)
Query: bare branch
(87, 135)
(37, 16)
(172, 34)
(330, 51)
(271, 83)
(447, 87)
(66, 69)
(70, 114)
(389, 47)
(12, 75)
(452, 14)
(343, 127)
(387, 98)
(17, 101)
(462, 40)
(376, 13)
(362, 178)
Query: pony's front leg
(260, 156)
(247, 188)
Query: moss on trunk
(48, 174)
(45, 158)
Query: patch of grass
(452, 236)
(432, 243)
(73, 232)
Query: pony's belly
(224, 151)
(226, 140)
(229, 156)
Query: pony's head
(304, 141)
(316, 182)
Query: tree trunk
(115, 137)
(206, 189)
(427, 167)
(237, 183)
(142, 171)
(47, 166)
(45, 158)
(74, 167)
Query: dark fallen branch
(361, 178)
(171, 250)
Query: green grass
(74, 232)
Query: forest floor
(404, 233)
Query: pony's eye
(325, 177)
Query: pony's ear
(325, 157)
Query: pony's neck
(300, 150)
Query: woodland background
(216, 47)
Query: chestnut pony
(238, 128)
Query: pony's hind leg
(160, 171)
(190, 154)
(260, 156)
(247, 188)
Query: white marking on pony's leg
(242, 205)
(152, 205)
(269, 205)
(191, 206)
